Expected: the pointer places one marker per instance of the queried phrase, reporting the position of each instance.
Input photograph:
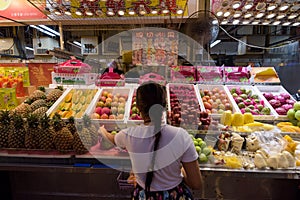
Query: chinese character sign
(154, 48)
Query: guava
(206, 151)
(291, 114)
(297, 115)
(203, 158)
(297, 106)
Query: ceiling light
(57, 11)
(215, 43)
(266, 22)
(49, 29)
(88, 12)
(248, 15)
(272, 7)
(237, 14)
(296, 24)
(224, 22)
(276, 23)
(142, 10)
(236, 21)
(215, 22)
(68, 12)
(110, 12)
(78, 12)
(29, 48)
(165, 11)
(260, 6)
(179, 11)
(248, 5)
(236, 4)
(246, 22)
(121, 12)
(286, 23)
(255, 22)
(295, 7)
(292, 16)
(219, 13)
(283, 7)
(270, 16)
(77, 43)
(131, 12)
(280, 16)
(227, 13)
(154, 11)
(42, 30)
(259, 15)
(99, 12)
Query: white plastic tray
(220, 87)
(254, 90)
(275, 90)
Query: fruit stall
(243, 132)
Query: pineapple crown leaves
(5, 117)
(45, 122)
(17, 120)
(57, 122)
(86, 120)
(59, 87)
(79, 126)
(28, 101)
(71, 120)
(33, 120)
(42, 88)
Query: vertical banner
(155, 48)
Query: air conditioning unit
(252, 40)
(43, 44)
(7, 46)
(89, 45)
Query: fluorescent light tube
(29, 48)
(42, 30)
(215, 43)
(77, 43)
(50, 30)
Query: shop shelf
(210, 88)
(273, 115)
(275, 90)
(77, 104)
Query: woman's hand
(107, 135)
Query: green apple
(203, 158)
(291, 114)
(297, 106)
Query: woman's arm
(110, 137)
(191, 174)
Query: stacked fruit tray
(134, 116)
(249, 99)
(73, 102)
(110, 105)
(215, 100)
(184, 109)
(278, 98)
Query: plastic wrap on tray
(110, 105)
(279, 99)
(210, 74)
(183, 74)
(73, 102)
(249, 99)
(237, 75)
(215, 100)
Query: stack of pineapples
(36, 132)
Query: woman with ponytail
(164, 159)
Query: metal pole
(61, 39)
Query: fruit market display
(74, 103)
(111, 105)
(184, 107)
(215, 100)
(281, 102)
(249, 102)
(293, 115)
(134, 111)
(38, 102)
(202, 149)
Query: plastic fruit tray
(273, 115)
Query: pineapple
(63, 140)
(82, 140)
(16, 138)
(40, 112)
(23, 109)
(5, 128)
(53, 95)
(32, 133)
(92, 129)
(37, 94)
(38, 104)
(58, 123)
(46, 136)
(71, 125)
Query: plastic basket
(123, 182)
